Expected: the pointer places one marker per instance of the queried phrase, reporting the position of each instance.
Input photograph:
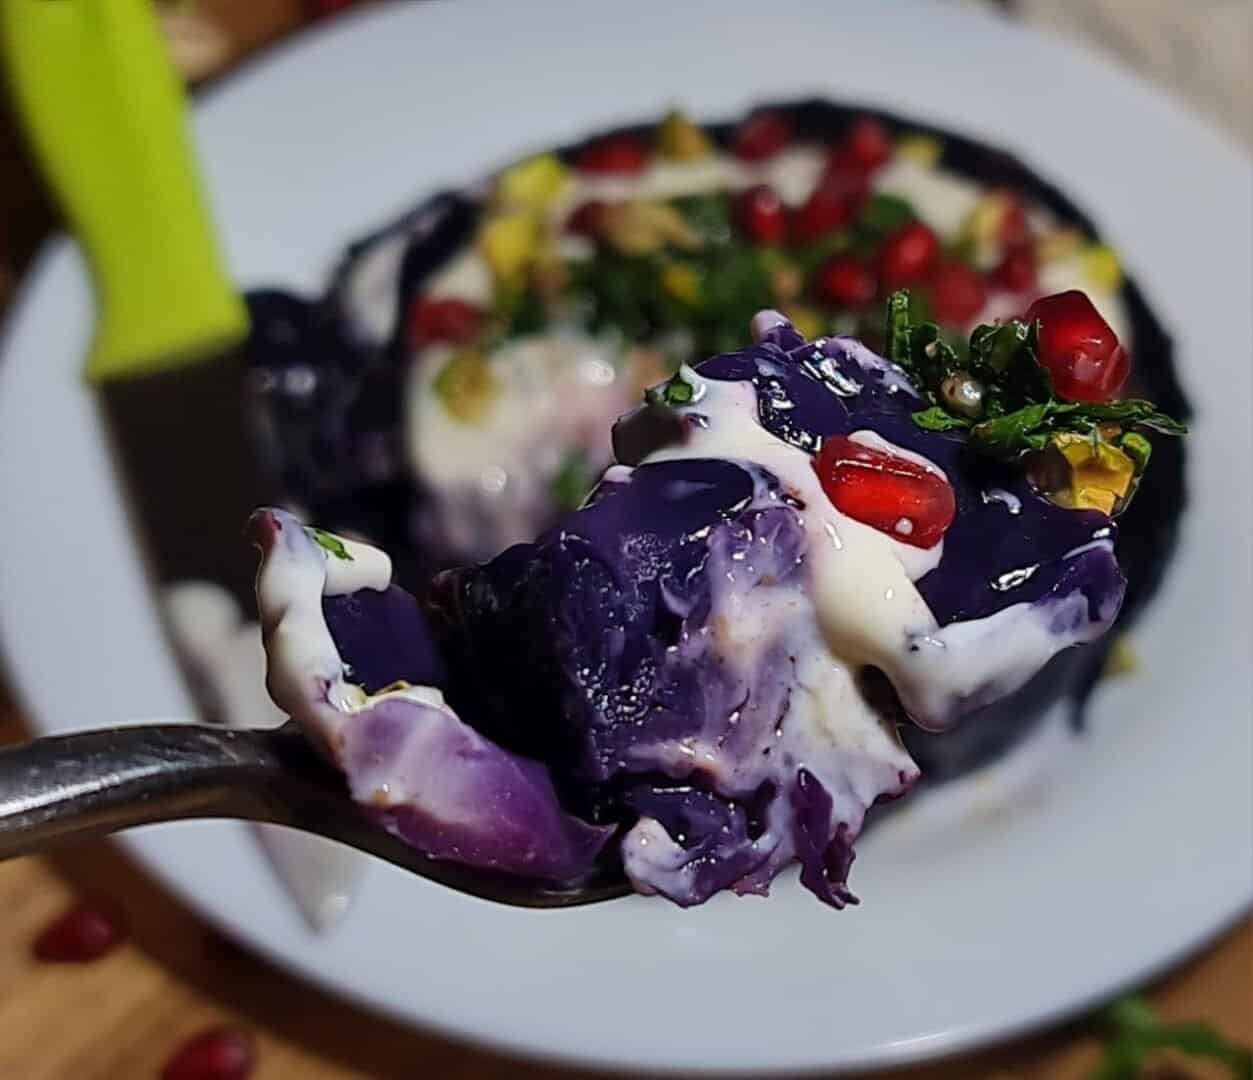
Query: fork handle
(96, 782)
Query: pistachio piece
(508, 241)
(641, 228)
(467, 386)
(683, 283)
(963, 394)
(1101, 267)
(533, 184)
(680, 140)
(1101, 474)
(924, 150)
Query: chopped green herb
(937, 418)
(573, 481)
(883, 213)
(677, 390)
(1030, 427)
(898, 332)
(329, 542)
(1137, 1033)
(1017, 410)
(708, 214)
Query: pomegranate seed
(867, 143)
(762, 136)
(907, 255)
(319, 8)
(897, 496)
(759, 213)
(958, 293)
(445, 319)
(1079, 347)
(220, 1053)
(1014, 232)
(835, 201)
(616, 154)
(587, 219)
(1016, 270)
(84, 933)
(846, 282)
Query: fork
(97, 782)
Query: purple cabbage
(426, 776)
(595, 682)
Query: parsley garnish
(573, 480)
(1019, 411)
(1137, 1033)
(329, 542)
(679, 389)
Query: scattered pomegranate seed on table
(760, 214)
(1079, 348)
(846, 282)
(83, 933)
(446, 319)
(219, 1053)
(616, 155)
(319, 8)
(958, 292)
(761, 136)
(894, 494)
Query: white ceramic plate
(999, 920)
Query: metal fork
(96, 782)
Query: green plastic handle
(103, 108)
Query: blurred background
(170, 979)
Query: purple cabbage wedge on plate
(701, 673)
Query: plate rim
(927, 1048)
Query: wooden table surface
(120, 1017)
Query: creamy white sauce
(490, 480)
(941, 199)
(227, 660)
(306, 676)
(862, 581)
(466, 276)
(369, 292)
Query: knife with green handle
(104, 112)
(103, 109)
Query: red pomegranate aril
(1016, 270)
(762, 136)
(1014, 232)
(220, 1053)
(760, 215)
(958, 293)
(84, 933)
(320, 8)
(846, 282)
(444, 319)
(835, 201)
(587, 218)
(1079, 348)
(617, 154)
(868, 144)
(894, 494)
(907, 255)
